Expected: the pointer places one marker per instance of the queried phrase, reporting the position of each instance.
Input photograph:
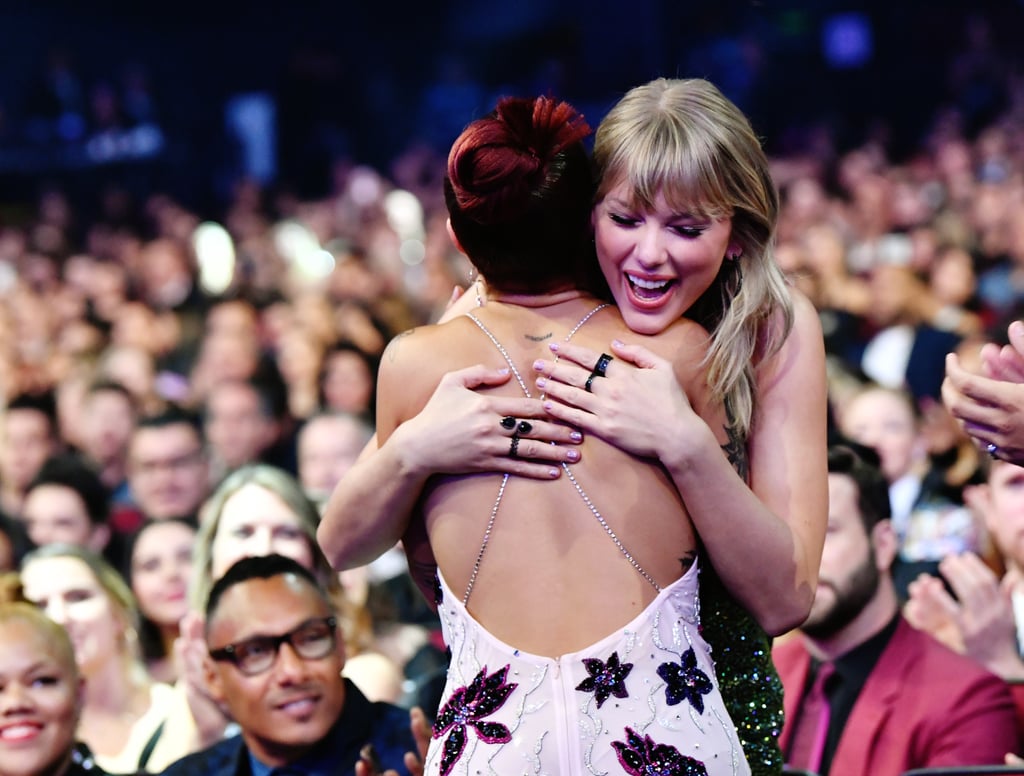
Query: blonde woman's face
(657, 263)
(66, 589)
(256, 522)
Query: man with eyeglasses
(275, 661)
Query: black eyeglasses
(311, 640)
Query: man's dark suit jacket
(361, 722)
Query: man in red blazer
(897, 699)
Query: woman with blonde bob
(123, 712)
(677, 164)
(41, 695)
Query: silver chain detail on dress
(565, 467)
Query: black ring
(590, 382)
(513, 449)
(525, 427)
(602, 365)
(508, 422)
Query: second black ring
(513, 449)
(602, 365)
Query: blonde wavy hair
(121, 598)
(287, 488)
(686, 140)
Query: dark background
(366, 81)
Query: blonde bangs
(654, 158)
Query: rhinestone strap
(565, 467)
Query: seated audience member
(984, 618)
(168, 472)
(239, 424)
(108, 416)
(928, 516)
(123, 712)
(274, 660)
(866, 694)
(910, 343)
(40, 694)
(328, 445)
(348, 380)
(159, 562)
(67, 503)
(28, 436)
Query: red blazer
(922, 706)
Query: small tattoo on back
(392, 348)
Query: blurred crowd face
(161, 567)
(27, 441)
(254, 522)
(289, 708)
(106, 426)
(67, 590)
(40, 701)
(56, 513)
(236, 427)
(327, 448)
(347, 383)
(884, 421)
(167, 470)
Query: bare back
(551, 579)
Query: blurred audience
(867, 694)
(168, 365)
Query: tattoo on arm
(736, 451)
(541, 338)
(392, 348)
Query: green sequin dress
(742, 652)
(750, 686)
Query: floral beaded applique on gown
(644, 700)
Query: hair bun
(499, 161)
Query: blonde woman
(123, 711)
(678, 163)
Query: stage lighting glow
(215, 253)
